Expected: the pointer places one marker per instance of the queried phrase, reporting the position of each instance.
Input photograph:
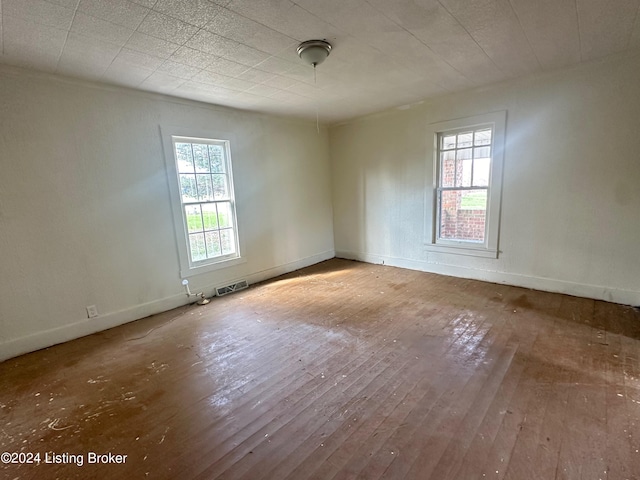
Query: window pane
(194, 219)
(448, 141)
(463, 170)
(463, 154)
(216, 153)
(220, 190)
(466, 173)
(198, 250)
(224, 215)
(209, 216)
(228, 242)
(448, 167)
(205, 189)
(465, 139)
(213, 244)
(463, 215)
(184, 158)
(188, 188)
(201, 157)
(481, 171)
(483, 137)
(482, 152)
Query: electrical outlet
(92, 311)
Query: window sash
(203, 230)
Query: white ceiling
(242, 53)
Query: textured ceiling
(242, 53)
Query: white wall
(85, 216)
(571, 196)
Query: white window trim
(187, 268)
(489, 248)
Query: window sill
(462, 249)
(211, 267)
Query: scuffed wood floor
(341, 370)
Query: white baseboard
(276, 271)
(48, 338)
(290, 267)
(608, 294)
(87, 326)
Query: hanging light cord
(315, 84)
(314, 52)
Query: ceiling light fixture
(314, 52)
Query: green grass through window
(474, 200)
(194, 221)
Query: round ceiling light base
(314, 52)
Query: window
(201, 183)
(467, 185)
(464, 165)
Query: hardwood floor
(342, 370)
